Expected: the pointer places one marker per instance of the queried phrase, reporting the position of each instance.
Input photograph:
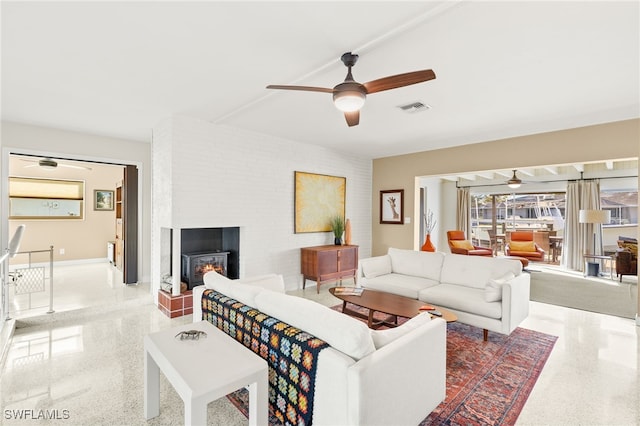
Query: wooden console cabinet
(328, 263)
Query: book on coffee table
(348, 291)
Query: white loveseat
(486, 292)
(366, 377)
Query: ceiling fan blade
(303, 88)
(353, 118)
(399, 80)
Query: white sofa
(366, 377)
(486, 292)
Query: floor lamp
(595, 217)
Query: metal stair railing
(29, 280)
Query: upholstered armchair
(458, 244)
(521, 244)
(627, 257)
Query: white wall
(434, 196)
(220, 176)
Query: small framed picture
(392, 206)
(102, 199)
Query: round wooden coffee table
(387, 303)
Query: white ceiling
(503, 68)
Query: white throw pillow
(493, 290)
(243, 290)
(273, 282)
(244, 293)
(376, 266)
(214, 281)
(384, 337)
(344, 333)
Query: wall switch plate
(407, 220)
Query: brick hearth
(175, 306)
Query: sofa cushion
(493, 290)
(462, 244)
(476, 271)
(383, 337)
(416, 263)
(244, 290)
(214, 281)
(376, 266)
(403, 285)
(461, 298)
(522, 246)
(273, 282)
(346, 334)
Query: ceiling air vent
(414, 107)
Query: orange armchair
(521, 244)
(458, 244)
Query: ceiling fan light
(514, 182)
(349, 100)
(47, 164)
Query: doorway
(83, 242)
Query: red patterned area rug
(488, 383)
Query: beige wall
(80, 239)
(606, 141)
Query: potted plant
(337, 226)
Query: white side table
(600, 259)
(202, 371)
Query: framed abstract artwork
(392, 206)
(318, 198)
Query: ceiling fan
(51, 164)
(349, 96)
(514, 182)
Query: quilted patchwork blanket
(291, 354)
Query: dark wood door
(130, 231)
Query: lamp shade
(514, 182)
(594, 216)
(349, 101)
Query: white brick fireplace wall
(206, 175)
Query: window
(31, 198)
(623, 206)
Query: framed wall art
(392, 206)
(318, 198)
(103, 199)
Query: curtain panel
(463, 215)
(580, 238)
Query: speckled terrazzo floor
(86, 367)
